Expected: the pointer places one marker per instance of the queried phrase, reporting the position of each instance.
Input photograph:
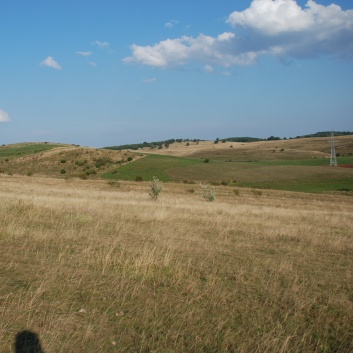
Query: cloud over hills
(280, 28)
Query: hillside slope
(65, 161)
(318, 147)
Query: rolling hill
(294, 164)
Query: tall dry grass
(92, 268)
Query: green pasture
(153, 165)
(311, 175)
(25, 149)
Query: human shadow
(27, 342)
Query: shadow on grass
(27, 342)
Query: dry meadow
(92, 266)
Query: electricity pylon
(333, 159)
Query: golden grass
(92, 268)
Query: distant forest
(167, 143)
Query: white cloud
(92, 63)
(181, 51)
(283, 28)
(226, 36)
(50, 62)
(272, 17)
(101, 44)
(171, 23)
(280, 28)
(4, 116)
(84, 53)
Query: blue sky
(111, 72)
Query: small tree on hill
(208, 193)
(156, 188)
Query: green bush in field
(156, 188)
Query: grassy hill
(296, 165)
(64, 161)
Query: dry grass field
(97, 267)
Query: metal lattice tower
(333, 160)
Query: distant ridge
(166, 143)
(326, 134)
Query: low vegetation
(61, 160)
(91, 268)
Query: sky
(111, 72)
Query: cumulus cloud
(51, 62)
(280, 28)
(101, 44)
(4, 116)
(283, 28)
(180, 51)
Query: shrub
(83, 176)
(129, 159)
(79, 163)
(156, 188)
(206, 160)
(208, 193)
(63, 161)
(100, 162)
(62, 171)
(139, 178)
(114, 183)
